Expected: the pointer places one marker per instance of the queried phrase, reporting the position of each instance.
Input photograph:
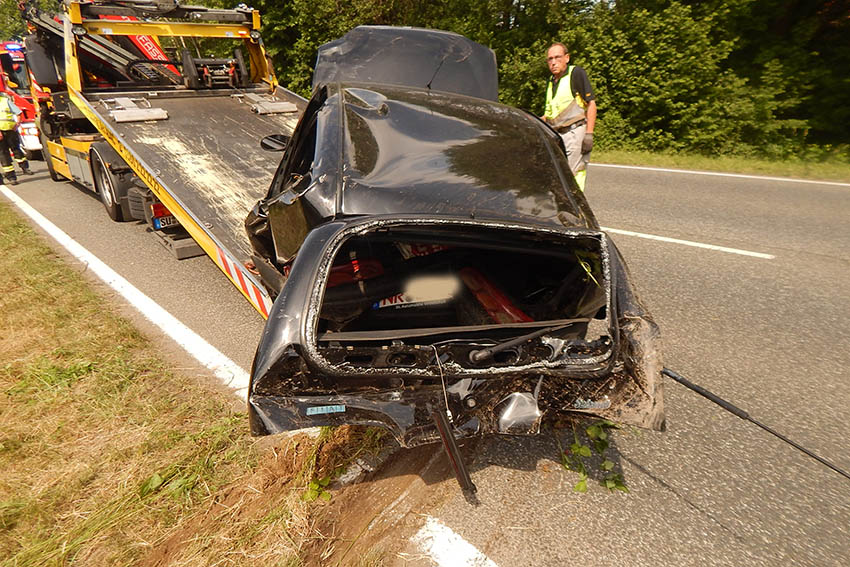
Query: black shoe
(27, 172)
(12, 181)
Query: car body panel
(411, 57)
(293, 387)
(528, 313)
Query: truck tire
(104, 183)
(48, 159)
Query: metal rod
(476, 356)
(744, 415)
(450, 445)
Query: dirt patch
(367, 522)
(265, 514)
(266, 500)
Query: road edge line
(446, 548)
(227, 371)
(721, 174)
(691, 243)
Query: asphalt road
(771, 336)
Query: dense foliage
(743, 77)
(735, 77)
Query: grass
(108, 457)
(822, 169)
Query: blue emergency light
(13, 47)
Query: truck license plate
(164, 222)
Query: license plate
(164, 222)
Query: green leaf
(310, 495)
(580, 486)
(607, 465)
(600, 446)
(593, 431)
(325, 495)
(324, 481)
(584, 451)
(581, 469)
(313, 485)
(150, 485)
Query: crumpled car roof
(413, 57)
(411, 151)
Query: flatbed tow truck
(171, 140)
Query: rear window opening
(465, 298)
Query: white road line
(448, 549)
(224, 369)
(690, 243)
(721, 174)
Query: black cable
(744, 415)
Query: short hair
(566, 49)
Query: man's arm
(591, 116)
(583, 89)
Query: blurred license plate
(164, 222)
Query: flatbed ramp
(206, 154)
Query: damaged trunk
(500, 325)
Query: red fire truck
(14, 81)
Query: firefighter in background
(571, 109)
(10, 142)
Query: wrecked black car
(434, 260)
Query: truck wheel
(48, 159)
(105, 187)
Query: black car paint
(413, 57)
(364, 155)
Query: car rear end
(499, 325)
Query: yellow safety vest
(558, 103)
(7, 117)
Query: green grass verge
(822, 169)
(108, 457)
(105, 453)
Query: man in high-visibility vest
(10, 141)
(571, 109)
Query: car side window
(300, 163)
(295, 165)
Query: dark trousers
(11, 143)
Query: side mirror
(274, 143)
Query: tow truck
(159, 108)
(14, 81)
